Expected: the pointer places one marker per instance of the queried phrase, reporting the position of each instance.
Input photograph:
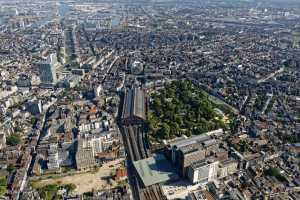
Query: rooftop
(134, 104)
(191, 140)
(156, 169)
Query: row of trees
(3, 186)
(180, 108)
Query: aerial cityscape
(149, 99)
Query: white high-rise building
(53, 157)
(203, 172)
(98, 90)
(47, 70)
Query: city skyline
(149, 100)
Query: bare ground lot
(86, 182)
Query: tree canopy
(13, 140)
(3, 186)
(181, 108)
(275, 173)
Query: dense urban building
(149, 100)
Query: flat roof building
(203, 171)
(156, 169)
(200, 195)
(84, 156)
(187, 151)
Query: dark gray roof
(191, 141)
(139, 103)
(134, 104)
(127, 104)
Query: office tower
(47, 70)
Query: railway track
(135, 138)
(153, 193)
(128, 144)
(141, 144)
(132, 143)
(137, 149)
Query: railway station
(134, 107)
